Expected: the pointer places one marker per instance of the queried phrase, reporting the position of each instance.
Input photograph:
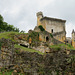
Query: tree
(4, 26)
(22, 31)
(1, 22)
(16, 29)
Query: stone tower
(39, 17)
(73, 38)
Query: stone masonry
(52, 25)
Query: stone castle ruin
(52, 25)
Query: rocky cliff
(31, 63)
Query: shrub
(34, 36)
(51, 35)
(41, 28)
(17, 50)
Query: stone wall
(69, 40)
(48, 23)
(53, 63)
(52, 25)
(6, 52)
(73, 39)
(47, 64)
(57, 26)
(60, 36)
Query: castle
(52, 25)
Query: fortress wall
(60, 36)
(57, 26)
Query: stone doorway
(51, 30)
(47, 38)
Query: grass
(27, 49)
(68, 46)
(8, 73)
(9, 35)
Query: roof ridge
(45, 17)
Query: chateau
(52, 25)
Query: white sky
(22, 13)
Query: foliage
(22, 31)
(41, 28)
(51, 35)
(69, 45)
(5, 72)
(17, 51)
(59, 46)
(7, 27)
(34, 36)
(26, 49)
(9, 35)
(55, 47)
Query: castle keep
(52, 25)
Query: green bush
(64, 46)
(34, 36)
(41, 28)
(51, 35)
(17, 51)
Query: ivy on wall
(41, 28)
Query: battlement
(39, 13)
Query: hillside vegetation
(4, 26)
(9, 35)
(26, 49)
(62, 46)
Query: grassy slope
(68, 46)
(27, 49)
(9, 35)
(8, 73)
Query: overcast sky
(22, 13)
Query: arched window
(51, 30)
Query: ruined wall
(60, 36)
(52, 25)
(73, 40)
(69, 40)
(6, 52)
(57, 26)
(43, 23)
(49, 24)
